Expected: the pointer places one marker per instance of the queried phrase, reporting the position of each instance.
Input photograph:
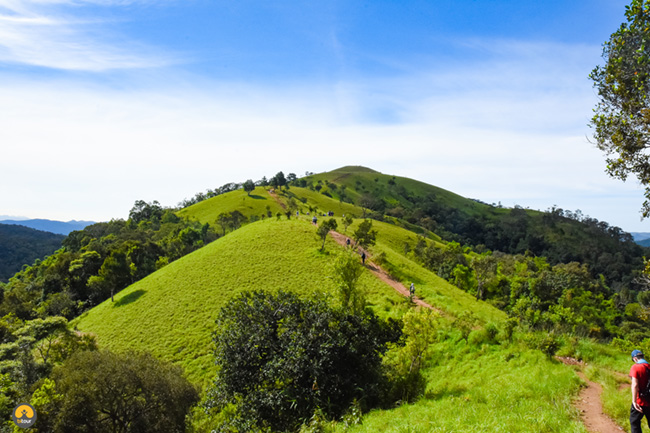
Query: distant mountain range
(58, 227)
(641, 238)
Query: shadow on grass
(130, 298)
(257, 197)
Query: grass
(254, 205)
(485, 388)
(471, 385)
(171, 312)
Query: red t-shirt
(642, 374)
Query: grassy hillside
(253, 205)
(172, 311)
(477, 377)
(499, 387)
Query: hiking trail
(380, 273)
(589, 403)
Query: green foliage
(104, 391)
(404, 363)
(622, 115)
(347, 271)
(279, 358)
(101, 260)
(20, 245)
(364, 235)
(324, 229)
(249, 186)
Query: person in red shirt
(640, 374)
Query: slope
(22, 245)
(560, 235)
(172, 311)
(500, 387)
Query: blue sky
(104, 102)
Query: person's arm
(635, 393)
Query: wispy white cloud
(509, 127)
(40, 33)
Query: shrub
(280, 358)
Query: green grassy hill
(499, 387)
(477, 378)
(172, 311)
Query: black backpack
(645, 391)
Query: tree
(279, 358)
(622, 117)
(278, 181)
(108, 392)
(364, 235)
(347, 271)
(249, 186)
(347, 221)
(325, 228)
(143, 211)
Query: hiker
(314, 220)
(347, 242)
(363, 257)
(640, 374)
(412, 291)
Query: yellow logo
(24, 415)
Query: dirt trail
(589, 403)
(276, 198)
(382, 274)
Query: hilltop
(500, 314)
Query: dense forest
(22, 245)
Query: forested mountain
(59, 227)
(22, 245)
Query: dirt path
(276, 198)
(382, 274)
(589, 403)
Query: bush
(108, 392)
(280, 358)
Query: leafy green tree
(109, 392)
(364, 235)
(347, 221)
(324, 229)
(347, 271)
(249, 186)
(278, 181)
(143, 211)
(485, 268)
(622, 117)
(405, 362)
(279, 358)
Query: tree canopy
(621, 120)
(280, 358)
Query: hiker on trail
(412, 291)
(347, 242)
(314, 220)
(363, 257)
(640, 374)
